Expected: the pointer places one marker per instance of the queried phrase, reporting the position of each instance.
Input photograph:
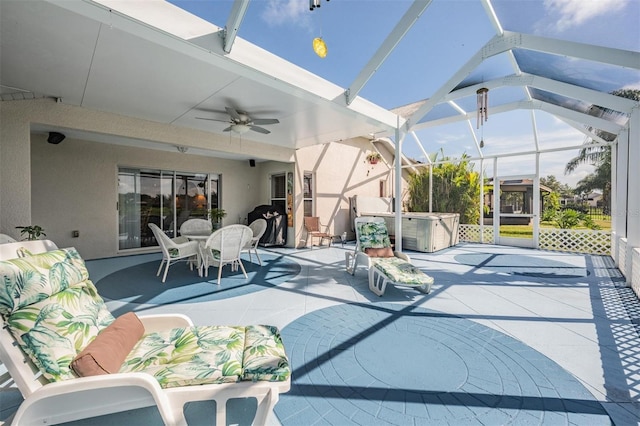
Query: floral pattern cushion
(402, 272)
(373, 235)
(190, 356)
(264, 355)
(51, 308)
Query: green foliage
(552, 201)
(456, 189)
(216, 215)
(33, 232)
(549, 215)
(568, 219)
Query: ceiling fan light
(320, 47)
(240, 128)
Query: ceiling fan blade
(263, 121)
(228, 129)
(233, 113)
(260, 130)
(212, 119)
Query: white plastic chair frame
(86, 397)
(174, 250)
(228, 242)
(258, 227)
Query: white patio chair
(196, 227)
(175, 250)
(224, 246)
(53, 390)
(4, 238)
(258, 227)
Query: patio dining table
(201, 239)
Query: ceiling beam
(605, 55)
(395, 36)
(234, 21)
(510, 40)
(595, 97)
(586, 119)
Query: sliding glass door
(165, 198)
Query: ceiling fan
(242, 123)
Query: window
(279, 191)
(165, 198)
(307, 198)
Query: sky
(440, 42)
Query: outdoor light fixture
(483, 103)
(320, 47)
(240, 128)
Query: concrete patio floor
(573, 309)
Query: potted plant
(373, 157)
(33, 231)
(216, 215)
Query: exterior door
(514, 210)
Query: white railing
(569, 240)
(471, 234)
(575, 240)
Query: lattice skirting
(471, 234)
(622, 255)
(577, 241)
(635, 272)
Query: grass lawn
(526, 231)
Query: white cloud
(286, 12)
(573, 13)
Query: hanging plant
(373, 157)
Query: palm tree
(598, 155)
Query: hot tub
(425, 232)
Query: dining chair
(315, 229)
(258, 227)
(174, 250)
(224, 247)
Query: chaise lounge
(71, 359)
(385, 266)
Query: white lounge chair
(37, 351)
(384, 265)
(175, 250)
(258, 227)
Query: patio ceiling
(152, 60)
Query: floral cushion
(190, 356)
(31, 279)
(264, 355)
(373, 235)
(51, 308)
(402, 272)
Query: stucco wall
(340, 171)
(75, 187)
